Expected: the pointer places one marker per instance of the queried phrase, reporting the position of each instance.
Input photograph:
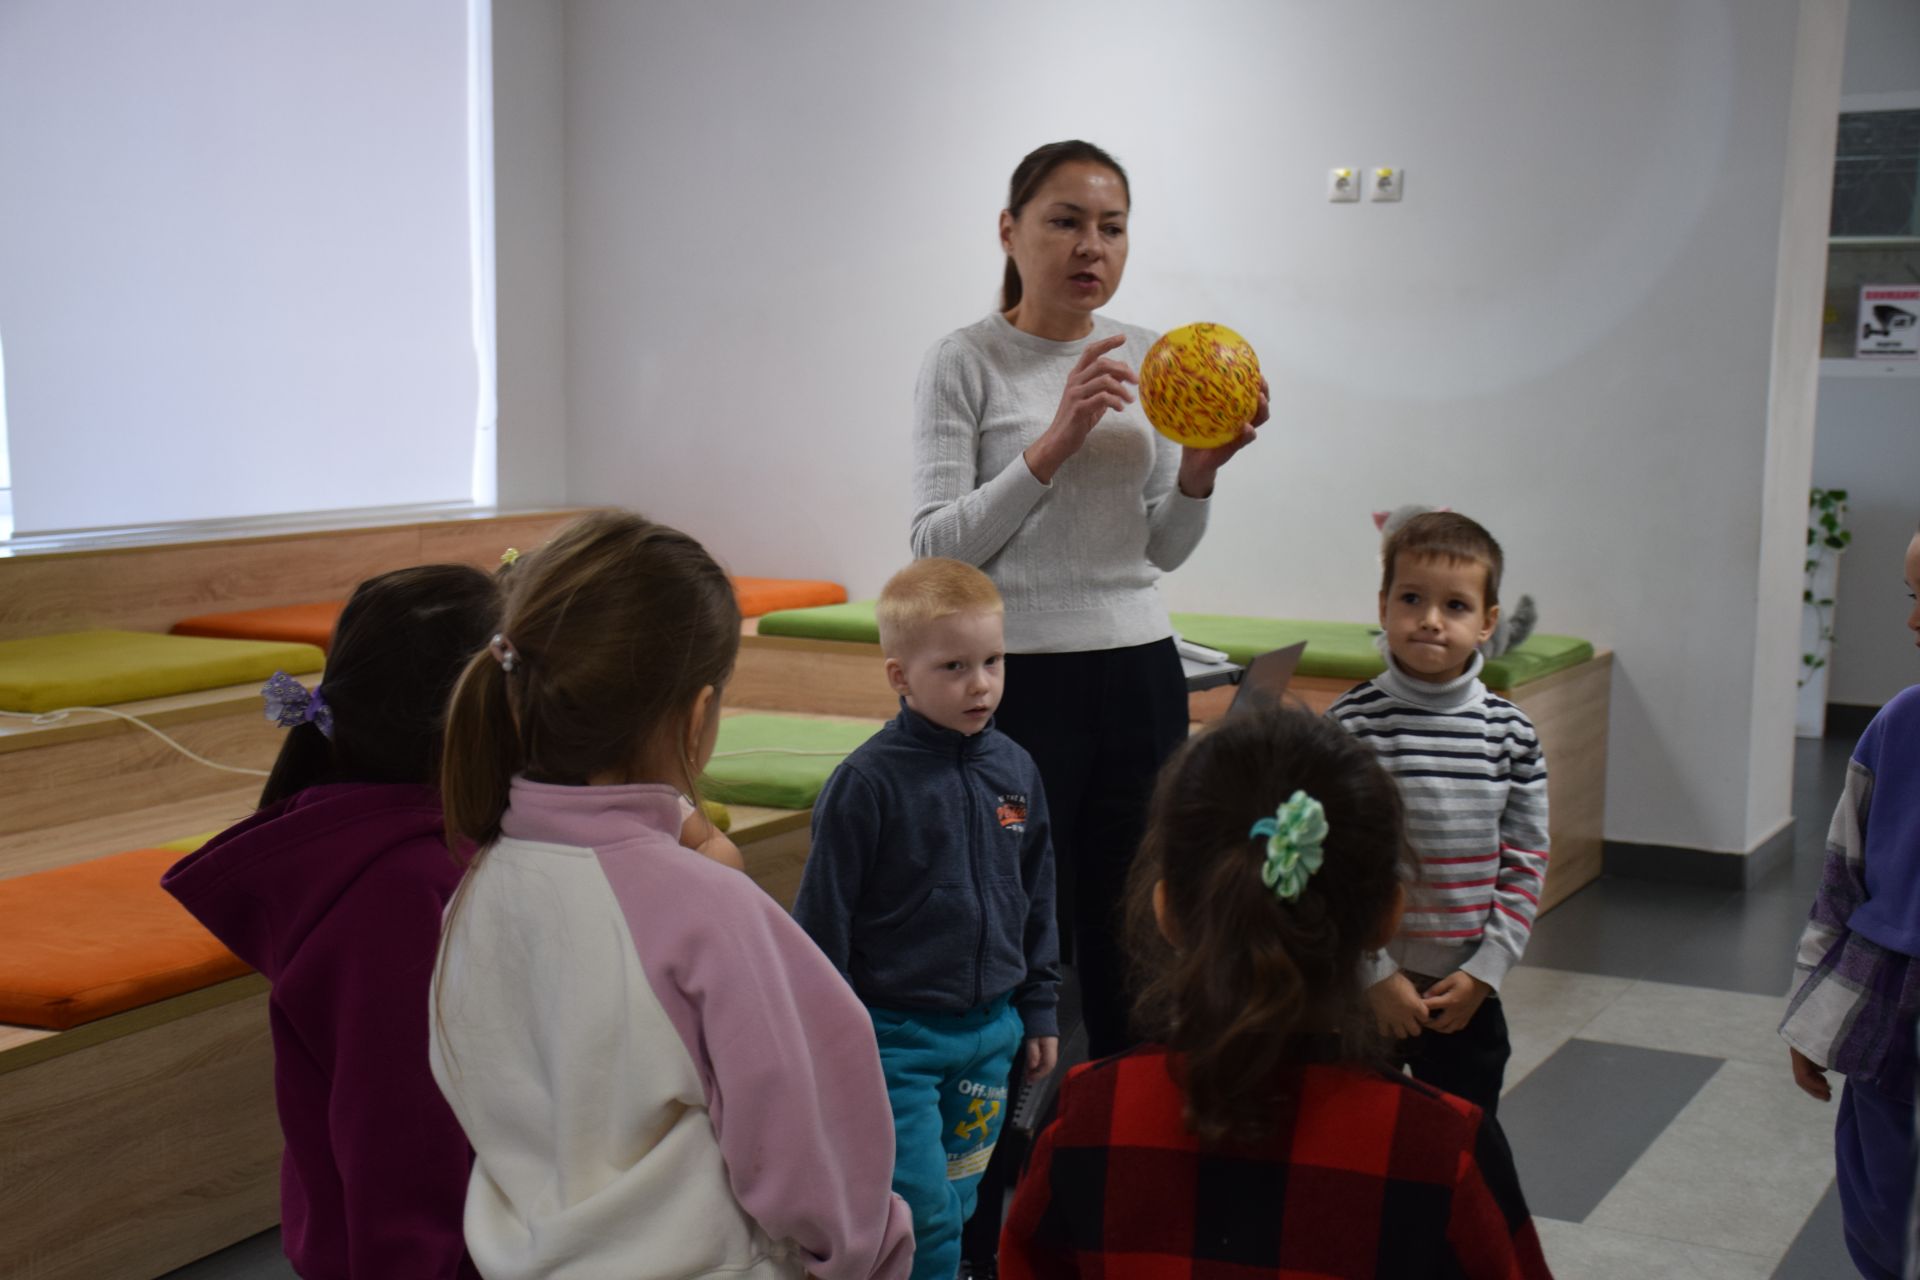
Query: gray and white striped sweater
(1474, 781)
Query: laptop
(1266, 678)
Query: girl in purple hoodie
(334, 891)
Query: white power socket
(1343, 185)
(1386, 184)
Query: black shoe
(988, 1270)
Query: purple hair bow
(289, 703)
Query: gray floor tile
(1571, 1152)
(1740, 1168)
(256, 1259)
(1819, 1252)
(1622, 927)
(1719, 1024)
(1545, 1008)
(1581, 1251)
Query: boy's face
(954, 671)
(1913, 587)
(1435, 615)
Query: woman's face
(1070, 240)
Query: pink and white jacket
(659, 1072)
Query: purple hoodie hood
(264, 884)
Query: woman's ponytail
(480, 755)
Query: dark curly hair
(1248, 971)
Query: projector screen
(238, 257)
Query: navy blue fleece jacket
(930, 884)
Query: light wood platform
(91, 769)
(138, 1143)
(149, 588)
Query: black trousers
(1472, 1062)
(1099, 725)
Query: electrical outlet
(1343, 185)
(1386, 184)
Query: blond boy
(930, 887)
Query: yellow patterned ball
(1200, 384)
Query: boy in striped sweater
(1474, 782)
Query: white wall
(1807, 199)
(1869, 426)
(1566, 328)
(529, 135)
(1883, 47)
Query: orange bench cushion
(771, 595)
(96, 938)
(298, 623)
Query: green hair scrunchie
(1296, 836)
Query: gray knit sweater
(1474, 782)
(1075, 560)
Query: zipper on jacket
(973, 866)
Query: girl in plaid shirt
(1856, 998)
(1262, 1134)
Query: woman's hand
(1094, 387)
(1199, 466)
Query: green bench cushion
(852, 623)
(100, 668)
(1346, 650)
(767, 775)
(1335, 650)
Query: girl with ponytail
(1260, 1131)
(660, 1074)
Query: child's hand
(1452, 1001)
(709, 841)
(721, 848)
(1811, 1079)
(1397, 1007)
(1043, 1055)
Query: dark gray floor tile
(1621, 927)
(1726, 939)
(1569, 1150)
(1819, 1252)
(258, 1258)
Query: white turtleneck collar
(1455, 695)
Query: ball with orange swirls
(1200, 384)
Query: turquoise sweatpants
(947, 1080)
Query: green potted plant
(1827, 538)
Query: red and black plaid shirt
(1368, 1174)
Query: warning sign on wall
(1889, 322)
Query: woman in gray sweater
(1032, 461)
